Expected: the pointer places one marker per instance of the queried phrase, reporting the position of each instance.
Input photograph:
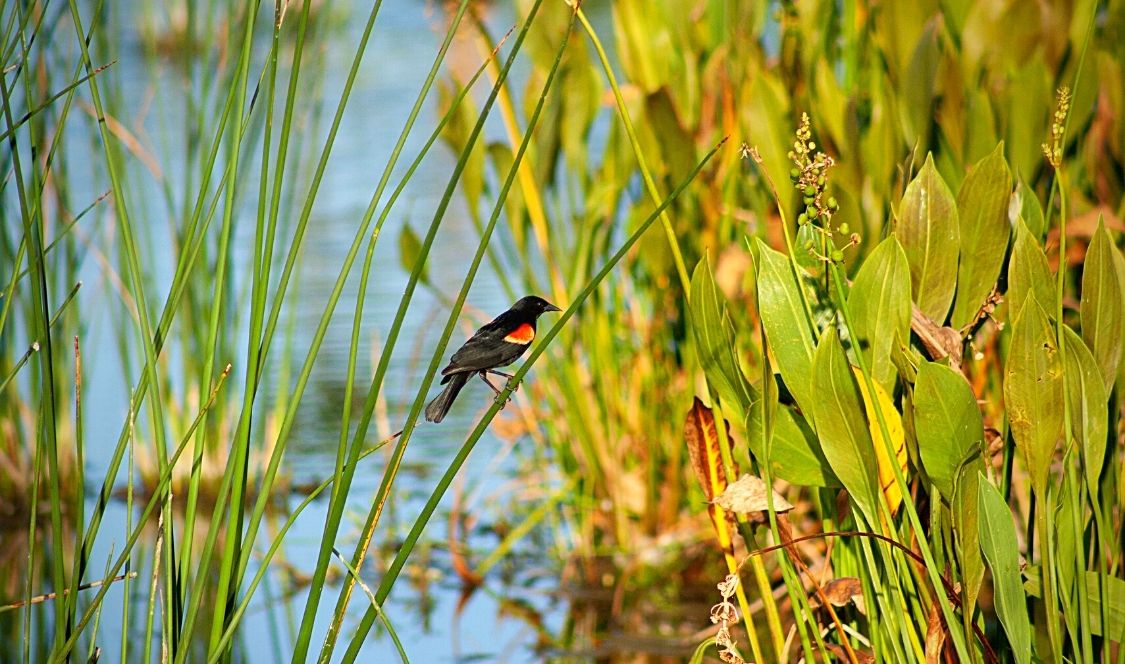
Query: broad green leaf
(998, 541)
(880, 306)
(788, 330)
(1088, 412)
(928, 230)
(714, 337)
(1033, 391)
(841, 426)
(947, 421)
(1102, 307)
(982, 211)
(1028, 272)
(794, 455)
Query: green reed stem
(411, 539)
(420, 263)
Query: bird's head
(534, 306)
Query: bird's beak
(551, 307)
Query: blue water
(406, 38)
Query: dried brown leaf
(703, 449)
(748, 494)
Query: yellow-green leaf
(928, 229)
(982, 211)
(880, 305)
(841, 425)
(1033, 391)
(1102, 306)
(888, 485)
(788, 330)
(715, 342)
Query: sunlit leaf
(1033, 391)
(982, 211)
(788, 331)
(1103, 305)
(841, 425)
(928, 229)
(998, 541)
(891, 417)
(714, 336)
(948, 423)
(880, 305)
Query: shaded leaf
(1028, 272)
(714, 336)
(788, 331)
(982, 212)
(1033, 391)
(1088, 405)
(1103, 305)
(998, 541)
(880, 306)
(841, 426)
(928, 229)
(948, 423)
(748, 494)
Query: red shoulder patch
(521, 335)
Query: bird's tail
(436, 410)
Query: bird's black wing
(487, 349)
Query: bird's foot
(514, 386)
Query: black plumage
(496, 344)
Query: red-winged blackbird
(497, 344)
